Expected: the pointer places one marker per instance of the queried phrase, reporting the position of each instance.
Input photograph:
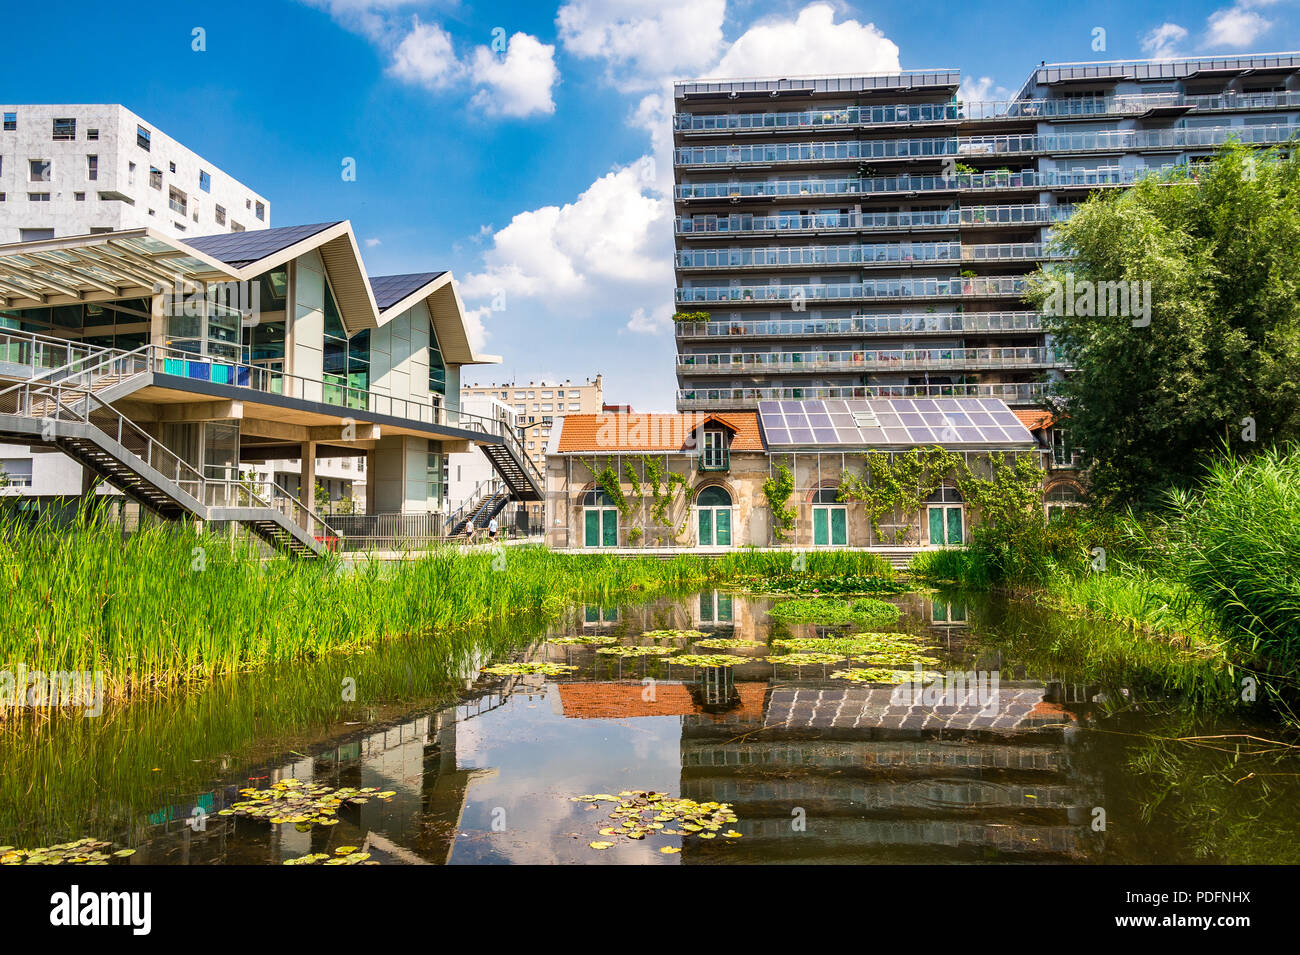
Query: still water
(1070, 767)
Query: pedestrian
(469, 532)
(492, 529)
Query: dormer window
(715, 444)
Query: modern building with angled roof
(170, 368)
(698, 480)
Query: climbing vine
(665, 488)
(777, 489)
(897, 485)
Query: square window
(92, 134)
(79, 196)
(38, 170)
(155, 177)
(205, 181)
(11, 122)
(261, 211)
(142, 138)
(220, 214)
(65, 128)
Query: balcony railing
(908, 323)
(1021, 144)
(1031, 109)
(724, 398)
(1011, 215)
(864, 360)
(962, 182)
(891, 253)
(976, 287)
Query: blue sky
(526, 145)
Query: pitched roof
(243, 248)
(1035, 419)
(391, 289)
(651, 432)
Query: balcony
(749, 224)
(1013, 286)
(722, 399)
(975, 147)
(896, 254)
(907, 323)
(907, 185)
(1033, 110)
(868, 360)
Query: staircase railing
(52, 356)
(473, 501)
(251, 492)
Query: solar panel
(240, 248)
(907, 422)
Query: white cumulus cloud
(518, 84)
(1161, 43)
(642, 41)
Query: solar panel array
(240, 248)
(391, 289)
(892, 422)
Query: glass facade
(346, 360)
(119, 324)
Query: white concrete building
(75, 169)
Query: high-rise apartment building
(537, 406)
(78, 169)
(868, 236)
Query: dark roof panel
(391, 289)
(242, 248)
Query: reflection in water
(818, 769)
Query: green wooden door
(591, 529)
(954, 525)
(609, 528)
(839, 526)
(706, 527)
(936, 526)
(722, 526)
(821, 527)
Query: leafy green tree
(1213, 354)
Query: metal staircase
(515, 467)
(480, 510)
(72, 415)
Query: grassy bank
(167, 605)
(1216, 573)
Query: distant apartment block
(538, 405)
(869, 236)
(76, 169)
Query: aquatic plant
(343, 855)
(81, 852)
(648, 813)
(673, 634)
(707, 660)
(303, 804)
(820, 585)
(636, 651)
(806, 659)
(725, 643)
(882, 675)
(858, 643)
(863, 611)
(527, 668)
(592, 641)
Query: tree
(1212, 354)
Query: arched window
(599, 519)
(713, 517)
(1061, 498)
(830, 519)
(714, 497)
(597, 497)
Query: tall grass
(168, 605)
(1235, 544)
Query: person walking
(492, 529)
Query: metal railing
(888, 359)
(1015, 144)
(1011, 215)
(976, 286)
(905, 323)
(33, 355)
(885, 253)
(723, 398)
(960, 182)
(1029, 109)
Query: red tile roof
(623, 700)
(651, 432)
(1034, 419)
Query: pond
(450, 765)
